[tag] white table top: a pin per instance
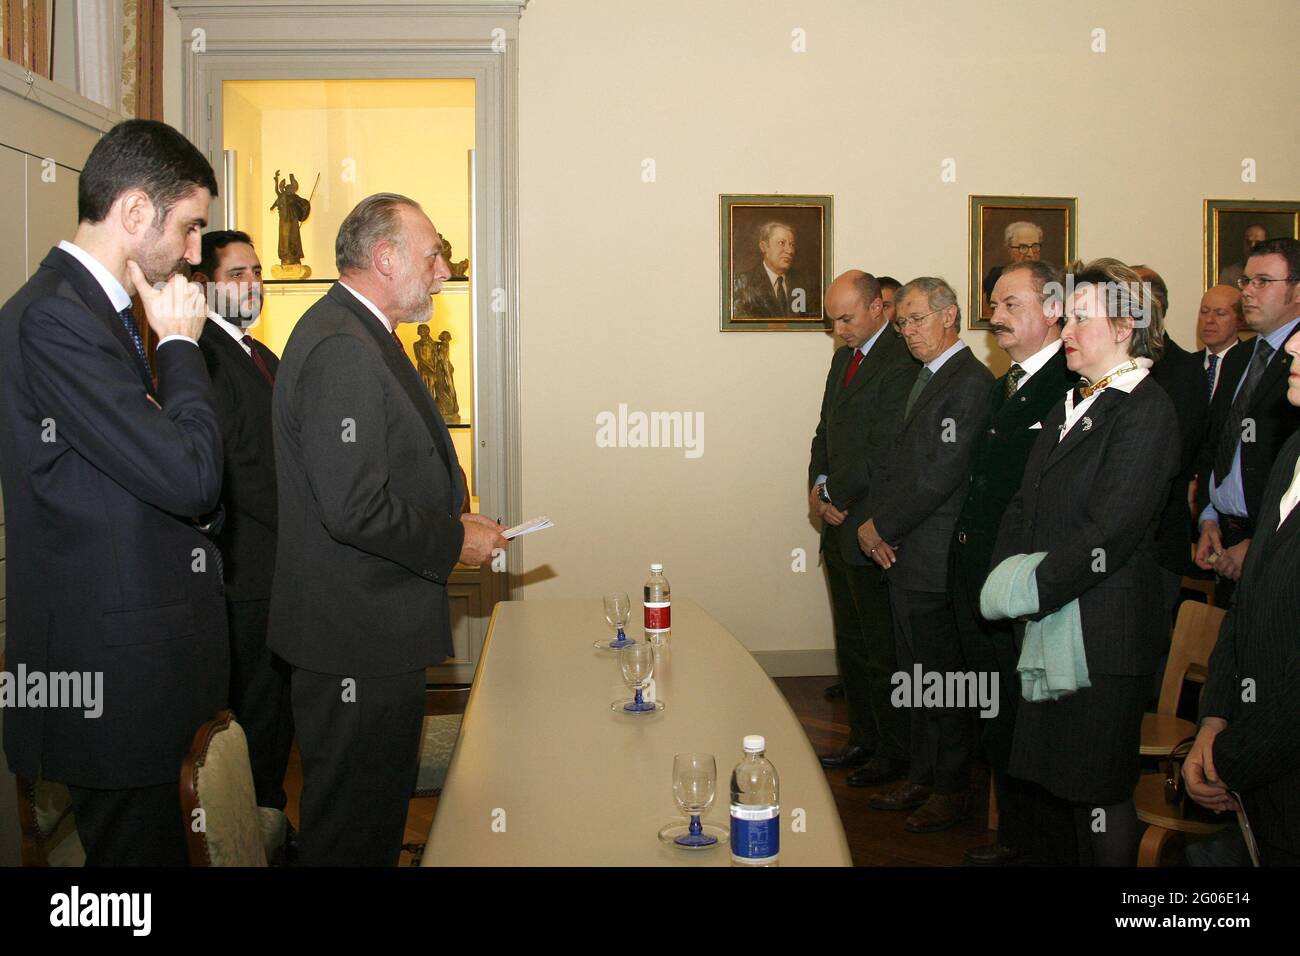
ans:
(545, 774)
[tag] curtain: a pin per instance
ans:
(99, 52)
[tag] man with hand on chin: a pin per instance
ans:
(106, 474)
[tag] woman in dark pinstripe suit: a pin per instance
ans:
(1091, 498)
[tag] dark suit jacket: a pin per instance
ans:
(916, 502)
(370, 497)
(1275, 419)
(997, 463)
(1101, 487)
(1180, 374)
(856, 432)
(100, 490)
(1259, 752)
(243, 396)
(752, 295)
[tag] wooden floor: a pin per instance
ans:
(875, 838)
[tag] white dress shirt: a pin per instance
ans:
(1291, 497)
(369, 305)
(231, 329)
(1218, 368)
(1124, 383)
(1036, 362)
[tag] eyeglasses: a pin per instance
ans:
(1026, 248)
(1258, 282)
(903, 323)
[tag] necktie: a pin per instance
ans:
(1014, 375)
(127, 318)
(922, 377)
(782, 299)
(1210, 373)
(853, 366)
(258, 360)
(1230, 438)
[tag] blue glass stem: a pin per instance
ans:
(696, 827)
(638, 703)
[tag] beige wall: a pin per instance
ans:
(618, 290)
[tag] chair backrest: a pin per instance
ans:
(217, 798)
(1195, 634)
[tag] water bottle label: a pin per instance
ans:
(658, 615)
(755, 833)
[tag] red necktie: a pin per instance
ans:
(258, 360)
(853, 366)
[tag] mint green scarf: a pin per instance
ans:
(1052, 661)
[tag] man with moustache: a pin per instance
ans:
(1217, 325)
(889, 287)
(861, 413)
(243, 375)
(1247, 743)
(1026, 304)
(1251, 418)
(774, 288)
(370, 529)
(108, 477)
(912, 510)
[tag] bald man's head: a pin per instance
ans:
(1219, 319)
(854, 308)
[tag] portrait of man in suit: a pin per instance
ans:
(1005, 230)
(111, 469)
(775, 263)
(370, 527)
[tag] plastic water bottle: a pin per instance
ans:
(755, 808)
(658, 606)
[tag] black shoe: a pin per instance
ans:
(994, 854)
(877, 770)
(834, 692)
(850, 756)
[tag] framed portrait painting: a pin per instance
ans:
(774, 261)
(1233, 226)
(1007, 229)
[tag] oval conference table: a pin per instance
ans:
(545, 774)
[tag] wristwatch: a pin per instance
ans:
(821, 493)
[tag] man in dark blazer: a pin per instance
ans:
(370, 529)
(774, 288)
(1026, 323)
(243, 373)
(1218, 323)
(1250, 711)
(912, 510)
(1183, 379)
(1250, 418)
(107, 477)
(862, 409)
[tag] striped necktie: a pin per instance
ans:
(127, 318)
(1210, 372)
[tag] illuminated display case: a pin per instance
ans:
(344, 140)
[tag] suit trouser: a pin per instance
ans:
(360, 752)
(926, 634)
(259, 696)
(990, 647)
(137, 827)
(864, 651)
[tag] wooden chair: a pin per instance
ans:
(224, 826)
(49, 832)
(1164, 819)
(1195, 634)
